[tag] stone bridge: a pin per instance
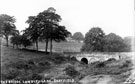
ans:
(89, 58)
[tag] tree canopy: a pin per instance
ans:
(7, 26)
(114, 43)
(20, 40)
(97, 41)
(45, 26)
(78, 36)
(94, 40)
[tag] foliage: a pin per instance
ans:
(20, 40)
(24, 70)
(114, 43)
(109, 68)
(128, 43)
(33, 31)
(23, 65)
(25, 41)
(70, 71)
(94, 40)
(78, 36)
(15, 40)
(44, 64)
(7, 26)
(45, 26)
(97, 41)
(58, 59)
(73, 59)
(10, 73)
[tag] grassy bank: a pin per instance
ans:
(29, 65)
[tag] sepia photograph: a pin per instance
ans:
(67, 41)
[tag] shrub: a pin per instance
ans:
(70, 71)
(44, 63)
(11, 73)
(31, 62)
(29, 75)
(23, 65)
(59, 59)
(101, 64)
(97, 64)
(74, 59)
(127, 64)
(36, 76)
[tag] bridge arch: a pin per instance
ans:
(84, 60)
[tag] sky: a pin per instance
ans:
(115, 16)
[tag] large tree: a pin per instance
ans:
(78, 36)
(7, 26)
(50, 28)
(114, 43)
(45, 26)
(94, 40)
(48, 21)
(33, 31)
(13, 39)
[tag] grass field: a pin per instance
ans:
(63, 46)
(57, 46)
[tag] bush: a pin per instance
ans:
(127, 63)
(70, 71)
(36, 76)
(59, 59)
(74, 59)
(29, 75)
(101, 64)
(11, 73)
(44, 64)
(97, 64)
(23, 65)
(31, 62)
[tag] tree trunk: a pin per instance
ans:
(13, 45)
(50, 46)
(36, 45)
(46, 47)
(17, 46)
(7, 41)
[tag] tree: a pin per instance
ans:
(19, 40)
(7, 26)
(14, 39)
(114, 43)
(94, 40)
(45, 27)
(25, 41)
(48, 22)
(78, 36)
(33, 31)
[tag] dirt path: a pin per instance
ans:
(99, 79)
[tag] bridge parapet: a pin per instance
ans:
(95, 57)
(100, 56)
